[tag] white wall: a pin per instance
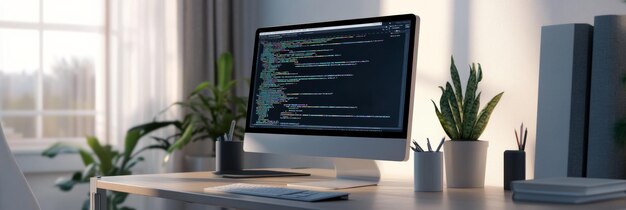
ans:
(504, 36)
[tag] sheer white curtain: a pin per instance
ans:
(145, 74)
(145, 71)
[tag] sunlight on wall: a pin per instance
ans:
(508, 49)
(504, 36)
(433, 60)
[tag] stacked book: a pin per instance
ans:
(572, 190)
(581, 100)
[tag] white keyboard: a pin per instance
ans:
(278, 192)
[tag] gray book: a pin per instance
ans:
(568, 189)
(569, 186)
(565, 65)
(566, 199)
(606, 157)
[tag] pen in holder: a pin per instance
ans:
(428, 168)
(228, 156)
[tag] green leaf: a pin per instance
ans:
(134, 134)
(454, 73)
(470, 89)
(184, 139)
(59, 148)
(224, 70)
(88, 172)
(469, 111)
(450, 131)
(454, 106)
(103, 155)
(130, 142)
(484, 116)
(480, 73)
(85, 157)
(446, 112)
(199, 88)
(64, 184)
(77, 176)
(470, 118)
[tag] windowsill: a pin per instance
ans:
(38, 146)
(31, 161)
(27, 150)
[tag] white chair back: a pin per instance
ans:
(15, 193)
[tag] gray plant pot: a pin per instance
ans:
(465, 163)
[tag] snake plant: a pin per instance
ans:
(458, 112)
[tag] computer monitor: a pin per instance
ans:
(340, 89)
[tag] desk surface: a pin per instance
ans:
(388, 195)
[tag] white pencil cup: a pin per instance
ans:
(428, 171)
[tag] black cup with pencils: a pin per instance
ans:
(515, 160)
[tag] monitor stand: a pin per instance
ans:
(350, 173)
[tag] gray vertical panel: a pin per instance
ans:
(562, 104)
(581, 59)
(222, 30)
(245, 23)
(197, 54)
(196, 42)
(608, 97)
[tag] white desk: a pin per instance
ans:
(189, 187)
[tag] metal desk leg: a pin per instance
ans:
(97, 196)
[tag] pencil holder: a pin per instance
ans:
(428, 171)
(514, 167)
(228, 156)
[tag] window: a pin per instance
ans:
(52, 70)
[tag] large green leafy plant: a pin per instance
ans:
(458, 112)
(103, 160)
(209, 111)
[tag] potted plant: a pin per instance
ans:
(458, 113)
(208, 113)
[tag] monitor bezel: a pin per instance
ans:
(322, 132)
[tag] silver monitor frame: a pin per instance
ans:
(371, 148)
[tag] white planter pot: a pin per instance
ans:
(465, 163)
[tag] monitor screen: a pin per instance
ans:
(339, 78)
